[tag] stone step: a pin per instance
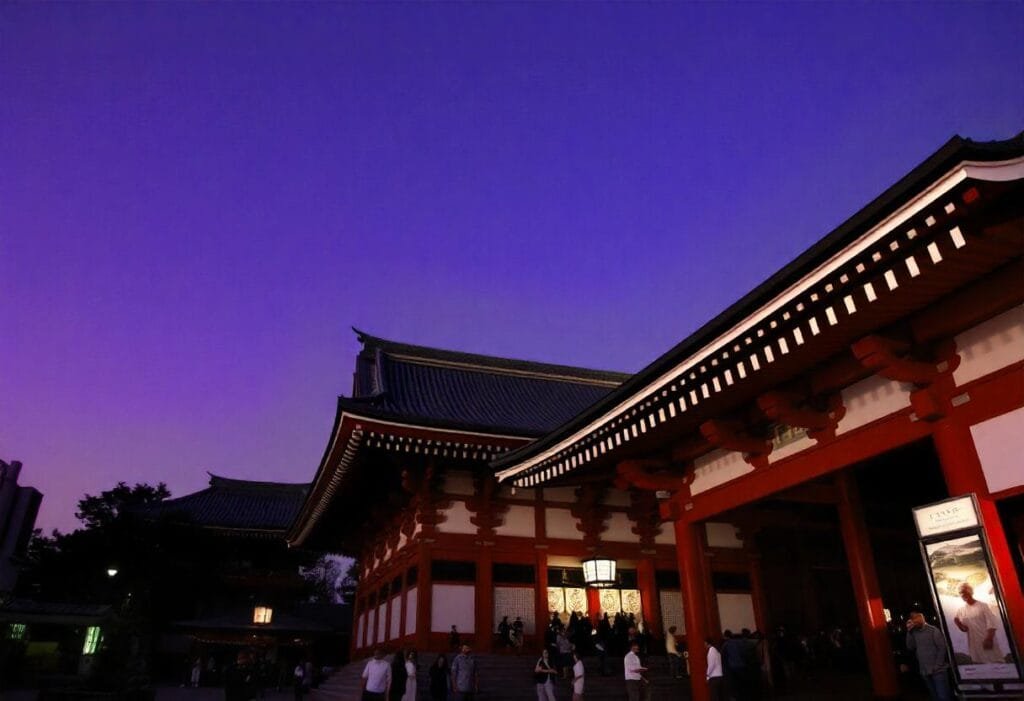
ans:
(510, 678)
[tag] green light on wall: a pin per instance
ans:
(93, 638)
(16, 631)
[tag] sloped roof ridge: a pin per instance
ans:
(234, 483)
(489, 363)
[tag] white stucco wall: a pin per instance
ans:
(717, 467)
(382, 619)
(563, 494)
(990, 346)
(459, 483)
(559, 523)
(452, 605)
(410, 611)
(1000, 445)
(667, 535)
(736, 612)
(620, 529)
(456, 519)
(519, 521)
(394, 628)
(871, 399)
(722, 535)
(617, 497)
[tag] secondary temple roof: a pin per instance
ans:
(238, 504)
(433, 387)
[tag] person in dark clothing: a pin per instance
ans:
(439, 679)
(398, 676)
(928, 643)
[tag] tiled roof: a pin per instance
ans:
(242, 504)
(474, 392)
(12, 608)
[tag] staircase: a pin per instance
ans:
(510, 678)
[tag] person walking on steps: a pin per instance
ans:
(634, 671)
(544, 677)
(927, 642)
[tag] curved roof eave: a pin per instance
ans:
(955, 152)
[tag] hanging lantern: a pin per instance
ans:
(599, 572)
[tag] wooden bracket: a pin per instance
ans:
(729, 435)
(884, 357)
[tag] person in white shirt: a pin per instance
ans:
(672, 650)
(714, 673)
(376, 677)
(636, 685)
(577, 676)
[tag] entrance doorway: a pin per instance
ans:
(807, 599)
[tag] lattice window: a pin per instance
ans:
(516, 601)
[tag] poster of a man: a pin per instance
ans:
(980, 623)
(970, 609)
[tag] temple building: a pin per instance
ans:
(406, 488)
(248, 589)
(763, 471)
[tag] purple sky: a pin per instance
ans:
(198, 200)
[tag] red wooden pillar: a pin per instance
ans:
(424, 599)
(866, 591)
(540, 611)
(757, 592)
(695, 602)
(484, 614)
(714, 621)
(649, 596)
(961, 468)
(594, 605)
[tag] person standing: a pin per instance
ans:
(464, 677)
(410, 676)
(544, 677)
(439, 679)
(636, 685)
(578, 673)
(977, 620)
(675, 662)
(927, 642)
(714, 673)
(376, 681)
(398, 676)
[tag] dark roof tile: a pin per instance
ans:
(468, 391)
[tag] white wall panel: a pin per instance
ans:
(990, 346)
(395, 630)
(872, 399)
(722, 535)
(736, 612)
(515, 601)
(519, 522)
(717, 467)
(452, 604)
(456, 519)
(561, 524)
(617, 497)
(667, 535)
(459, 483)
(1000, 445)
(566, 494)
(381, 622)
(410, 611)
(371, 627)
(620, 529)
